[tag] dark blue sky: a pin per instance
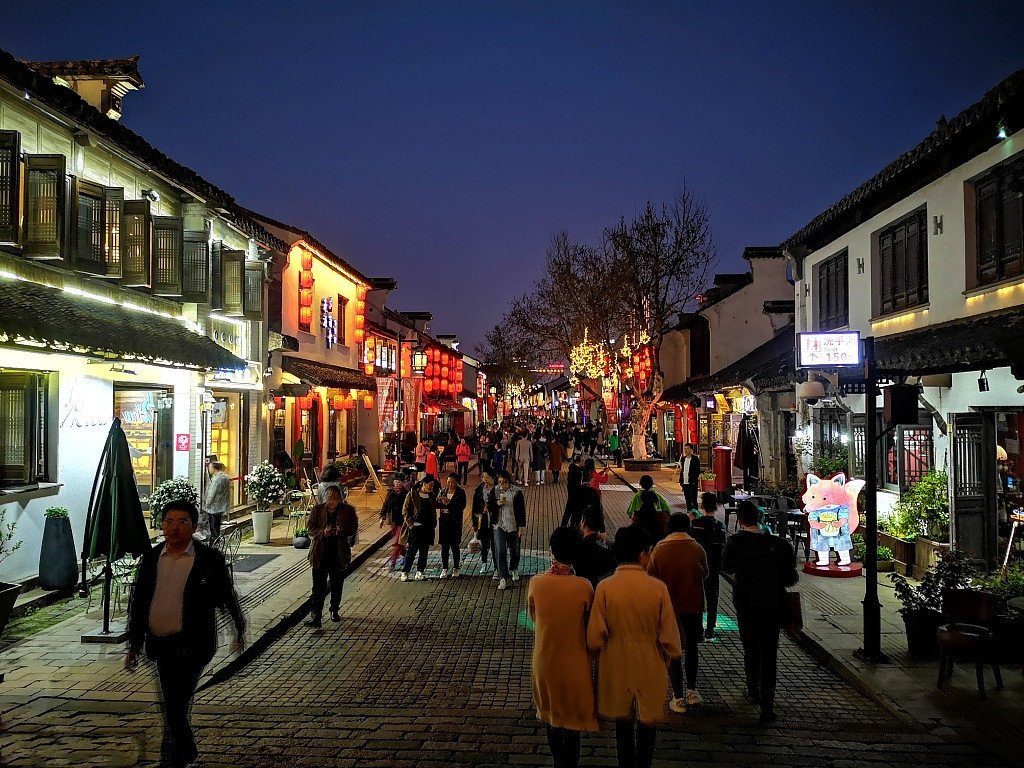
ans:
(442, 143)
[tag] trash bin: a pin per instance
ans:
(722, 467)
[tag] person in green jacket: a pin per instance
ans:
(615, 446)
(647, 484)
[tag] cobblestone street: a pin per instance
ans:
(437, 674)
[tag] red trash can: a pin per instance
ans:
(723, 467)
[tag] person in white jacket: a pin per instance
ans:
(524, 458)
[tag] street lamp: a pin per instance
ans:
(419, 359)
(419, 364)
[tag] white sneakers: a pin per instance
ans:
(678, 706)
(502, 584)
(444, 573)
(404, 576)
(515, 575)
(420, 576)
(692, 697)
(455, 573)
(495, 575)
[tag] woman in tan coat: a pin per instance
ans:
(332, 526)
(563, 690)
(556, 457)
(633, 630)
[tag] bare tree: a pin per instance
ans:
(507, 357)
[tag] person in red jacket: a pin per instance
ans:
(462, 453)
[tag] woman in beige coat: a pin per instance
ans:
(633, 630)
(563, 689)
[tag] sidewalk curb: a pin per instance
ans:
(291, 617)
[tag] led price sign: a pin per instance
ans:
(817, 350)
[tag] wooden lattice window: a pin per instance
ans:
(10, 183)
(252, 299)
(23, 427)
(903, 264)
(233, 279)
(1000, 224)
(45, 207)
(217, 276)
(136, 244)
(114, 212)
(833, 293)
(167, 256)
(91, 218)
(196, 268)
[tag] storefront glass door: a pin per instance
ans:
(147, 418)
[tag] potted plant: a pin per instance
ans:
(1009, 630)
(922, 516)
(177, 489)
(8, 592)
(300, 539)
(883, 559)
(264, 486)
(922, 604)
(58, 566)
(707, 483)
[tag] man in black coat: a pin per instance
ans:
(595, 560)
(709, 532)
(764, 565)
(689, 475)
(173, 614)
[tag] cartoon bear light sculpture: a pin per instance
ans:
(832, 514)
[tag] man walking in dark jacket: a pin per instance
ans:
(709, 532)
(595, 560)
(179, 586)
(763, 565)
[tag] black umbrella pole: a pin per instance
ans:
(107, 577)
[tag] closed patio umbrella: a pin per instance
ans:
(115, 526)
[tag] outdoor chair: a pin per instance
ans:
(972, 615)
(232, 543)
(297, 507)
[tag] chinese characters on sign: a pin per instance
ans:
(328, 322)
(182, 441)
(828, 349)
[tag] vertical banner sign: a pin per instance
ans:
(411, 392)
(385, 403)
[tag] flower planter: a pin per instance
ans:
(922, 627)
(58, 567)
(708, 486)
(8, 595)
(904, 552)
(300, 542)
(262, 520)
(926, 554)
(885, 566)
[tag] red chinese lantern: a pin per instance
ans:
(368, 402)
(306, 315)
(445, 371)
(338, 401)
(361, 293)
(306, 297)
(358, 334)
(360, 322)
(428, 386)
(304, 403)
(307, 260)
(360, 307)
(368, 369)
(429, 371)
(305, 279)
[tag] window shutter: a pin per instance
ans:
(46, 207)
(114, 206)
(167, 256)
(15, 428)
(217, 276)
(10, 187)
(233, 279)
(195, 286)
(136, 244)
(89, 201)
(252, 299)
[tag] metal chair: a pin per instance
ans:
(297, 507)
(972, 615)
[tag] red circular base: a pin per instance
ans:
(833, 570)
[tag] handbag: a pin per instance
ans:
(474, 545)
(792, 612)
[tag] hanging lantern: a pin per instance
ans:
(305, 315)
(368, 402)
(307, 260)
(428, 386)
(360, 322)
(445, 372)
(368, 369)
(306, 297)
(360, 307)
(338, 402)
(429, 370)
(361, 293)
(305, 279)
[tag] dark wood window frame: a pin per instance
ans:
(252, 294)
(342, 325)
(903, 264)
(195, 268)
(90, 217)
(168, 256)
(10, 188)
(999, 221)
(833, 292)
(24, 428)
(233, 279)
(137, 244)
(46, 191)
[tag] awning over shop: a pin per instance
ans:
(965, 344)
(55, 320)
(677, 393)
(324, 375)
(445, 405)
(770, 366)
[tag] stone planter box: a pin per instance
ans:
(926, 554)
(58, 566)
(641, 465)
(904, 553)
(885, 566)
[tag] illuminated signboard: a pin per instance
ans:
(818, 350)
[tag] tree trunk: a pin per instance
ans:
(639, 418)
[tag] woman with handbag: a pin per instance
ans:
(333, 526)
(391, 516)
(451, 506)
(481, 519)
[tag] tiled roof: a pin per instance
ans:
(128, 68)
(966, 344)
(39, 86)
(952, 143)
(762, 252)
(324, 375)
(771, 365)
(78, 325)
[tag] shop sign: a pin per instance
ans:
(828, 349)
(81, 409)
(182, 441)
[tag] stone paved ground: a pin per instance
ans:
(437, 674)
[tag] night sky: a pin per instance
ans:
(442, 143)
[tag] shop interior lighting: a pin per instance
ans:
(1002, 133)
